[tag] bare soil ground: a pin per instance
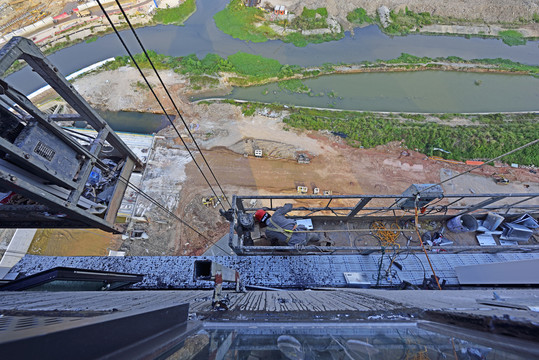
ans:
(73, 242)
(225, 135)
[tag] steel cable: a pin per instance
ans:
(171, 100)
(157, 99)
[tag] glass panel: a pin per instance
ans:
(348, 341)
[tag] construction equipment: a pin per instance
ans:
(210, 270)
(500, 179)
(212, 201)
(61, 179)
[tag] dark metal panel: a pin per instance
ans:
(41, 117)
(70, 274)
(39, 168)
(28, 190)
(94, 337)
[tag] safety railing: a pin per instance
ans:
(363, 210)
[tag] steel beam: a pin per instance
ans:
(481, 205)
(360, 205)
(50, 73)
(37, 167)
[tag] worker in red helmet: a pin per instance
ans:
(282, 230)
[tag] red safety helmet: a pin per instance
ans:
(260, 214)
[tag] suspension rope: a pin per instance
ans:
(423, 247)
(157, 98)
(171, 100)
(162, 207)
(170, 213)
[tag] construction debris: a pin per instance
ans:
(212, 201)
(303, 159)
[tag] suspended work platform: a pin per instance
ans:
(366, 224)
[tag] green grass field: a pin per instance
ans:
(237, 21)
(512, 37)
(176, 15)
(490, 136)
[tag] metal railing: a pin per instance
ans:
(365, 209)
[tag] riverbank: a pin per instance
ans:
(317, 21)
(91, 27)
(214, 72)
(465, 136)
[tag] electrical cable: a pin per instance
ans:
(171, 100)
(387, 237)
(157, 98)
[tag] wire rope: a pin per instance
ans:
(171, 100)
(483, 164)
(157, 98)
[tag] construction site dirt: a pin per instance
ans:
(227, 138)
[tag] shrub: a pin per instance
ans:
(512, 37)
(176, 15)
(494, 136)
(294, 85)
(296, 39)
(238, 21)
(359, 16)
(254, 65)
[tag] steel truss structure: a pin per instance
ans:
(47, 164)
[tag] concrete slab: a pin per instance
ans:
(17, 247)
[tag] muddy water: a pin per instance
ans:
(424, 91)
(130, 121)
(201, 36)
(140, 123)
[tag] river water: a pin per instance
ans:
(140, 123)
(421, 91)
(201, 36)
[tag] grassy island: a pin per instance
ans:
(256, 25)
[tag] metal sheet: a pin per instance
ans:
(503, 273)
